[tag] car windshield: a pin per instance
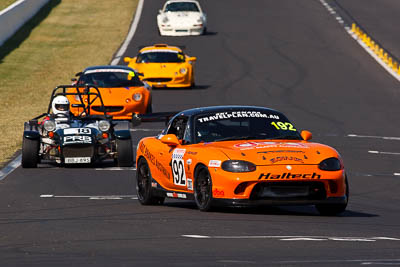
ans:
(243, 125)
(182, 6)
(123, 78)
(160, 57)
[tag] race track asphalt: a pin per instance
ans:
(288, 55)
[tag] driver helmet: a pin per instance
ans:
(60, 105)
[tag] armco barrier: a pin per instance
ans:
(14, 16)
(379, 51)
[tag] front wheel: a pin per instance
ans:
(30, 153)
(124, 153)
(143, 185)
(334, 209)
(203, 189)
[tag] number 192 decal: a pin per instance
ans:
(178, 167)
(284, 126)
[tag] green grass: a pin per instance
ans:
(6, 3)
(69, 36)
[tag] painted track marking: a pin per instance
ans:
(346, 21)
(146, 130)
(375, 136)
(10, 167)
(299, 238)
(104, 197)
(382, 152)
(131, 33)
(116, 169)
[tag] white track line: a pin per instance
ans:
(131, 33)
(10, 167)
(381, 152)
(299, 238)
(374, 136)
(360, 42)
(146, 130)
(104, 197)
(116, 169)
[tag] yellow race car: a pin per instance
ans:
(164, 66)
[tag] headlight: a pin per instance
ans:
(183, 70)
(137, 97)
(49, 125)
(330, 164)
(238, 166)
(104, 126)
(165, 20)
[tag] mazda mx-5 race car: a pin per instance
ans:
(164, 66)
(65, 138)
(239, 156)
(181, 18)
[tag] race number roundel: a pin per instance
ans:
(178, 167)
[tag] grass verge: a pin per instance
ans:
(68, 36)
(6, 3)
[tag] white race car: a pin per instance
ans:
(180, 18)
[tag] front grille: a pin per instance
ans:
(288, 190)
(72, 151)
(158, 80)
(107, 108)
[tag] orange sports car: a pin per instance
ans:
(164, 66)
(239, 156)
(123, 93)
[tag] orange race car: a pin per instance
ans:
(164, 66)
(124, 94)
(239, 156)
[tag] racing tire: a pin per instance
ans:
(124, 153)
(30, 153)
(203, 189)
(143, 185)
(149, 108)
(334, 209)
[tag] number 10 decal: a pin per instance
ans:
(178, 167)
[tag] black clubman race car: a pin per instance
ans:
(79, 138)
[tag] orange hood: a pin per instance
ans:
(268, 152)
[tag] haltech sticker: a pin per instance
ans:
(288, 176)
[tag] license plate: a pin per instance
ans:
(77, 160)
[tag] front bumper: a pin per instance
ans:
(181, 31)
(163, 82)
(276, 202)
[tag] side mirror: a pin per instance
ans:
(127, 59)
(306, 135)
(192, 59)
(74, 80)
(170, 139)
(159, 11)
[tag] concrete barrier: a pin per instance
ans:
(16, 15)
